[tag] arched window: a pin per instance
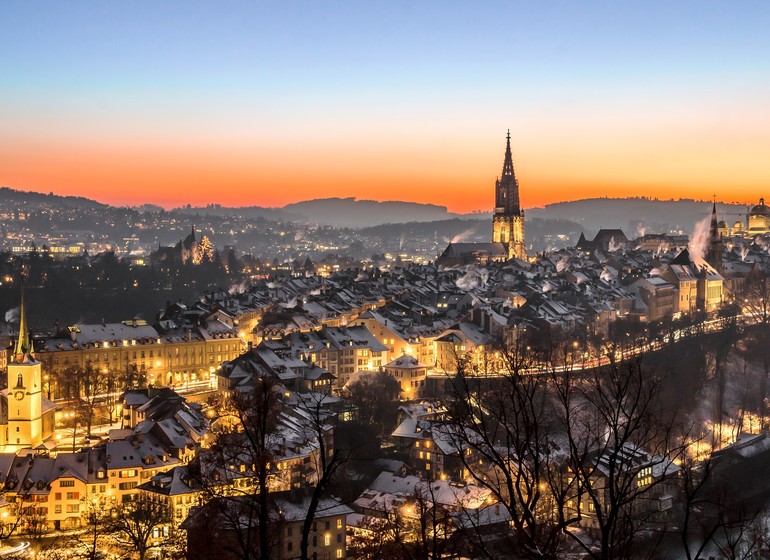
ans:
(19, 382)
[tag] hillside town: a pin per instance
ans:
(398, 411)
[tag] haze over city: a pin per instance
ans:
(266, 104)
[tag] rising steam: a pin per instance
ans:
(699, 238)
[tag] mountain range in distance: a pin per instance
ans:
(340, 212)
(634, 216)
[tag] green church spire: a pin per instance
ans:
(23, 349)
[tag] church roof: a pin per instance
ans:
(469, 249)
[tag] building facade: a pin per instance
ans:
(27, 418)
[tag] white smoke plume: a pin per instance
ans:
(468, 281)
(744, 252)
(562, 264)
(237, 288)
(655, 271)
(699, 238)
(641, 229)
(472, 279)
(463, 235)
(483, 276)
(12, 315)
(613, 245)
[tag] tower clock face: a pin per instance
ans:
(19, 395)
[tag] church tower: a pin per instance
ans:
(714, 249)
(508, 221)
(25, 396)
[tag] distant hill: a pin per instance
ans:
(632, 215)
(10, 197)
(340, 212)
(241, 211)
(351, 212)
(638, 215)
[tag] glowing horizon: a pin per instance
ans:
(190, 103)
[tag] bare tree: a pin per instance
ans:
(137, 522)
(375, 396)
(503, 429)
(244, 450)
(328, 460)
(83, 387)
(756, 306)
(621, 445)
(96, 517)
(413, 528)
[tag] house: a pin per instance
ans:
(410, 373)
(221, 528)
(654, 479)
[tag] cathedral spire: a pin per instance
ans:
(508, 219)
(714, 249)
(23, 349)
(508, 162)
(507, 187)
(714, 228)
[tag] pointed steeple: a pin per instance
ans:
(508, 162)
(507, 187)
(23, 349)
(508, 219)
(714, 249)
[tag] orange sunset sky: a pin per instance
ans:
(386, 102)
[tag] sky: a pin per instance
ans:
(256, 103)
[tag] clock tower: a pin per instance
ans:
(25, 391)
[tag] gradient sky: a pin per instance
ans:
(252, 103)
